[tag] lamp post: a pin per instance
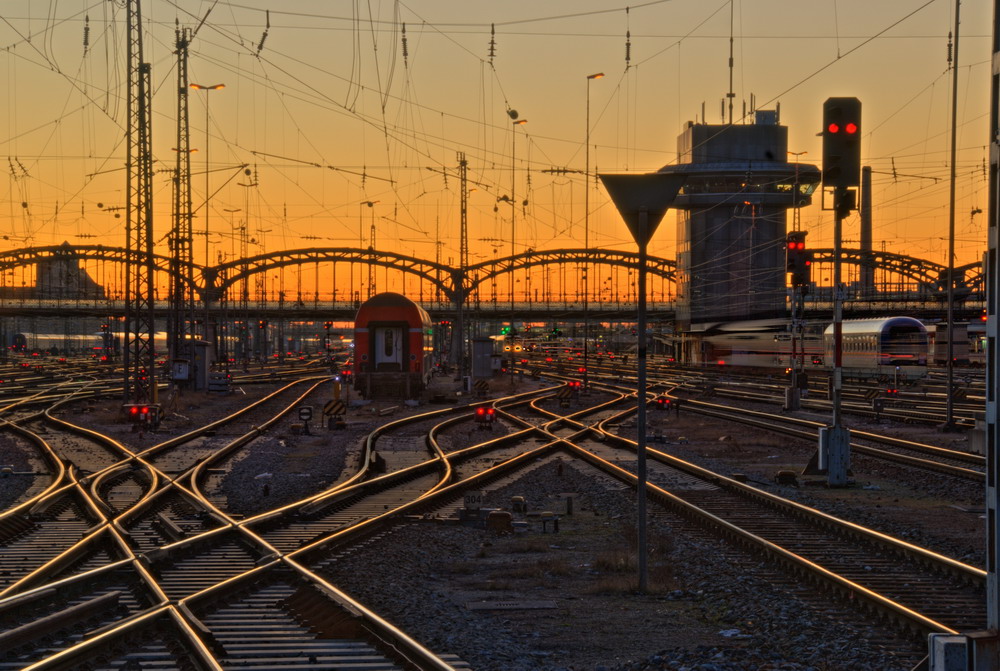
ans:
(586, 242)
(208, 193)
(949, 416)
(642, 200)
(513, 218)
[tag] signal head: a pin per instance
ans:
(841, 142)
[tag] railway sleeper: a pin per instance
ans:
(810, 577)
(14, 527)
(322, 616)
(48, 625)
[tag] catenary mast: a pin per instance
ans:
(139, 381)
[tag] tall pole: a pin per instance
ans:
(641, 411)
(139, 382)
(361, 239)
(208, 192)
(838, 437)
(513, 230)
(986, 650)
(949, 416)
(586, 242)
(463, 263)
(991, 261)
(371, 248)
(182, 257)
(642, 200)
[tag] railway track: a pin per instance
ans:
(161, 554)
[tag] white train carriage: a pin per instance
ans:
(890, 347)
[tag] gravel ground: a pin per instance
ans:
(16, 454)
(703, 610)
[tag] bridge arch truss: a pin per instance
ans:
(551, 276)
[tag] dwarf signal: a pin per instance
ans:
(486, 416)
(147, 414)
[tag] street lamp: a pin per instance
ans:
(208, 260)
(214, 87)
(513, 217)
(586, 241)
(642, 200)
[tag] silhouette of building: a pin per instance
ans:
(58, 277)
(731, 220)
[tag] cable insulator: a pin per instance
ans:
(628, 47)
(949, 47)
(406, 51)
(267, 27)
(86, 34)
(493, 42)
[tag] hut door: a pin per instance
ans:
(388, 348)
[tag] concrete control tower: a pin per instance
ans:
(731, 220)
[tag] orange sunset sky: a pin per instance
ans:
(333, 104)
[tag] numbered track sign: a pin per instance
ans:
(474, 500)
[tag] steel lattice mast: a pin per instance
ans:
(139, 380)
(181, 242)
(463, 263)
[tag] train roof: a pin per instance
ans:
(855, 326)
(746, 326)
(381, 305)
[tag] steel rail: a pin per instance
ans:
(773, 423)
(880, 601)
(728, 483)
(666, 498)
(187, 630)
(957, 567)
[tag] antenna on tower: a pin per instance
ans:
(731, 94)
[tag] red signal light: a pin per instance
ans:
(833, 128)
(851, 128)
(134, 410)
(480, 411)
(490, 411)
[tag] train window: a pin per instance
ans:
(388, 343)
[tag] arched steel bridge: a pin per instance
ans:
(918, 276)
